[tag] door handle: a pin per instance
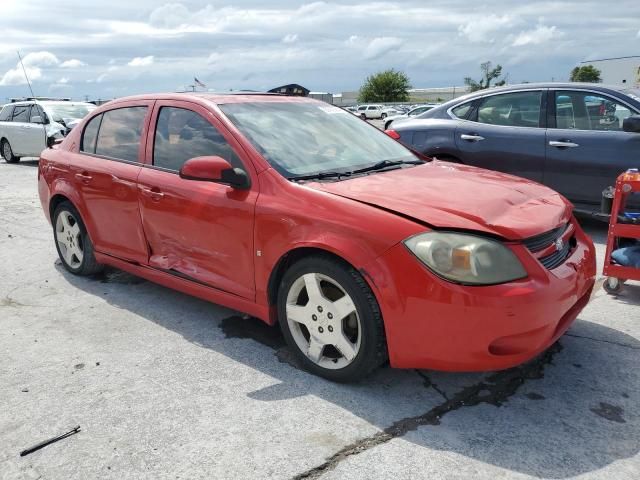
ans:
(471, 137)
(563, 144)
(154, 193)
(84, 177)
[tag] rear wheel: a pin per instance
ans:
(72, 241)
(383, 116)
(363, 116)
(7, 152)
(331, 319)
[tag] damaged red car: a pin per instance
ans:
(300, 214)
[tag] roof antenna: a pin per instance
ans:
(41, 110)
(25, 75)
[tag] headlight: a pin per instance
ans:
(466, 259)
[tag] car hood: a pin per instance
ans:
(450, 196)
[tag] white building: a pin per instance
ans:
(618, 71)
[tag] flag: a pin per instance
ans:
(199, 83)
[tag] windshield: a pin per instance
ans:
(69, 112)
(300, 139)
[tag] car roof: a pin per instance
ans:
(598, 87)
(216, 98)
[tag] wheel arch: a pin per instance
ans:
(288, 259)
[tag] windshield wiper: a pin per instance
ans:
(386, 164)
(321, 175)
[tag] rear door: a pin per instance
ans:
(505, 132)
(35, 136)
(17, 130)
(106, 170)
(196, 229)
(586, 146)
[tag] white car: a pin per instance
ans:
(411, 113)
(375, 111)
(25, 126)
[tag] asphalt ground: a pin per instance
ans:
(166, 386)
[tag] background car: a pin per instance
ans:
(569, 137)
(415, 111)
(375, 111)
(25, 126)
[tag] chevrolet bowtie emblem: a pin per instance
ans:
(559, 243)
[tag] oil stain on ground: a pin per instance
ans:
(609, 412)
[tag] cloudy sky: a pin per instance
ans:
(105, 49)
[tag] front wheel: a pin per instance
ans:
(383, 116)
(331, 319)
(363, 116)
(7, 153)
(72, 241)
(613, 285)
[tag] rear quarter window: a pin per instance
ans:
(90, 135)
(5, 114)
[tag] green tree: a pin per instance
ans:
(488, 74)
(386, 86)
(586, 73)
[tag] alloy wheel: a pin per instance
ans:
(323, 321)
(69, 238)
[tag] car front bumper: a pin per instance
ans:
(434, 324)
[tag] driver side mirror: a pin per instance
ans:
(631, 124)
(215, 169)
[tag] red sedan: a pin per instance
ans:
(301, 214)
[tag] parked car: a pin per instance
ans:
(410, 113)
(375, 111)
(570, 137)
(26, 126)
(358, 248)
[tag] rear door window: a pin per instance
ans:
(119, 133)
(518, 109)
(589, 111)
(182, 134)
(21, 113)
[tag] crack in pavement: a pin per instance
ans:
(428, 383)
(495, 390)
(603, 341)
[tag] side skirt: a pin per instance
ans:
(189, 287)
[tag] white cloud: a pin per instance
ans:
(638, 34)
(352, 40)
(15, 76)
(380, 46)
(73, 63)
(541, 34)
(290, 38)
(40, 59)
(63, 80)
(170, 15)
(32, 63)
(141, 61)
(482, 29)
(101, 78)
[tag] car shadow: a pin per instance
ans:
(31, 162)
(580, 418)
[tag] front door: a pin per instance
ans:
(588, 149)
(505, 133)
(106, 170)
(196, 229)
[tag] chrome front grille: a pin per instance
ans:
(545, 240)
(559, 239)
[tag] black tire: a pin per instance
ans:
(383, 116)
(7, 152)
(89, 264)
(613, 285)
(388, 124)
(373, 346)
